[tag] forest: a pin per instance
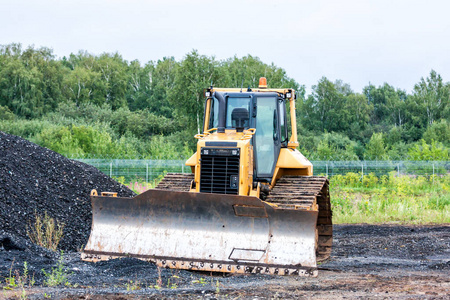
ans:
(103, 106)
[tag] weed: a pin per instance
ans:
(58, 275)
(11, 280)
(120, 179)
(172, 285)
(19, 281)
(201, 281)
(217, 287)
(45, 231)
(158, 284)
(133, 285)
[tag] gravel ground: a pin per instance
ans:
(36, 179)
(368, 261)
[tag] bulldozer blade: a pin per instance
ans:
(206, 232)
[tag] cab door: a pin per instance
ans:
(267, 140)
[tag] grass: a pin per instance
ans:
(380, 199)
(58, 275)
(45, 232)
(390, 199)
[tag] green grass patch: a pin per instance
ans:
(390, 199)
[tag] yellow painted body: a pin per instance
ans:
(290, 160)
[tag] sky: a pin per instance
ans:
(358, 42)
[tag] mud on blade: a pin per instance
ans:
(209, 232)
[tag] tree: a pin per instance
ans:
(163, 83)
(29, 80)
(196, 72)
(83, 85)
(246, 71)
(375, 149)
(98, 79)
(357, 112)
(113, 70)
(389, 107)
(139, 88)
(439, 132)
(333, 107)
(431, 99)
(335, 146)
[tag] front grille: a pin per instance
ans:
(219, 171)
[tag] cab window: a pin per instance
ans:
(214, 113)
(233, 103)
(283, 125)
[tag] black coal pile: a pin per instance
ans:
(34, 179)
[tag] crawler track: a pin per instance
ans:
(177, 182)
(309, 193)
(290, 192)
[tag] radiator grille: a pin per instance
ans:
(219, 174)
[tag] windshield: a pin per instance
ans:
(233, 103)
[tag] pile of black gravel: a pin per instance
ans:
(36, 179)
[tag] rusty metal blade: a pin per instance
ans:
(211, 232)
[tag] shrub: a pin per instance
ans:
(24, 128)
(424, 151)
(6, 114)
(370, 180)
(45, 232)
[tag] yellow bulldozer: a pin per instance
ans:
(250, 205)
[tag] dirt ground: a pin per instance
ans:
(368, 261)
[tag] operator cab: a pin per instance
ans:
(264, 111)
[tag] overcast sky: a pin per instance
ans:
(375, 41)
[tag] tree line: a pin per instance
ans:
(103, 105)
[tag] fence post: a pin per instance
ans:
(362, 171)
(433, 173)
(182, 168)
(110, 169)
(398, 170)
(146, 173)
(327, 168)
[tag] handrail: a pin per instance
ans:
(249, 134)
(199, 136)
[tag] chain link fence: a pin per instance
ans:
(150, 170)
(426, 168)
